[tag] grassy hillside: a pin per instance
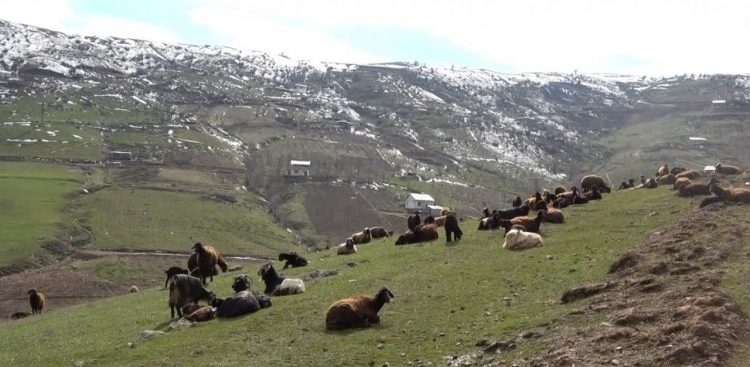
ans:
(138, 219)
(32, 197)
(448, 296)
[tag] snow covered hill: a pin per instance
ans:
(538, 123)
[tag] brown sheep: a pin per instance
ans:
(413, 221)
(534, 199)
(569, 195)
(193, 265)
(694, 189)
(552, 215)
(361, 237)
(726, 170)
(516, 202)
(591, 180)
(36, 299)
(531, 224)
(681, 182)
(207, 259)
(19, 315)
(358, 311)
(593, 194)
(662, 171)
(190, 308)
(737, 195)
(439, 221)
(205, 313)
(379, 232)
(691, 174)
(559, 190)
(668, 179)
(427, 232)
(185, 289)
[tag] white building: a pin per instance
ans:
(299, 168)
(419, 202)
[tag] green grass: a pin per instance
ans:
(65, 145)
(32, 197)
(455, 289)
(140, 219)
(735, 284)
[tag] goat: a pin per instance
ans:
(361, 237)
(346, 248)
(171, 272)
(207, 259)
(277, 285)
(292, 259)
(358, 311)
(184, 289)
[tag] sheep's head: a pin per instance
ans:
(198, 247)
(241, 282)
(349, 242)
(32, 291)
(283, 256)
(265, 269)
(430, 219)
(384, 295)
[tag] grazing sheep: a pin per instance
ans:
(559, 190)
(419, 234)
(208, 258)
(171, 272)
(358, 311)
(691, 174)
(379, 232)
(134, 289)
(597, 181)
(680, 183)
(531, 224)
(277, 285)
(184, 289)
(668, 179)
(361, 237)
(627, 185)
(19, 315)
(513, 212)
(517, 201)
(292, 259)
(695, 189)
(593, 194)
(737, 195)
(36, 300)
(413, 221)
(346, 248)
(727, 170)
(239, 304)
(552, 215)
(517, 239)
(662, 171)
(202, 314)
(452, 227)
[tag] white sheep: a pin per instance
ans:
(516, 239)
(347, 248)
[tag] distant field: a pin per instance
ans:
(447, 298)
(32, 197)
(50, 140)
(163, 220)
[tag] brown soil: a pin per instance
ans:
(661, 305)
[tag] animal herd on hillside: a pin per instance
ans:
(187, 287)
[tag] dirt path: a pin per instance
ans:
(661, 305)
(101, 253)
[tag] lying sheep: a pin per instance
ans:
(517, 201)
(627, 185)
(171, 272)
(423, 233)
(559, 190)
(531, 201)
(662, 171)
(588, 181)
(202, 314)
(668, 179)
(361, 237)
(20, 315)
(358, 311)
(379, 232)
(292, 259)
(680, 183)
(184, 289)
(277, 285)
(517, 239)
(134, 289)
(727, 170)
(691, 174)
(513, 212)
(239, 304)
(694, 189)
(736, 195)
(347, 248)
(241, 283)
(190, 308)
(552, 215)
(648, 184)
(593, 194)
(413, 221)
(36, 300)
(532, 225)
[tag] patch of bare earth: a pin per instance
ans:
(661, 305)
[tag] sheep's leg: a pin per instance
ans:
(448, 234)
(286, 264)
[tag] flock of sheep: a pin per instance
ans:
(187, 286)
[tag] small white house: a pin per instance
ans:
(419, 202)
(299, 168)
(709, 169)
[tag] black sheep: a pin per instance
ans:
(240, 303)
(292, 259)
(452, 227)
(241, 283)
(514, 212)
(277, 285)
(184, 289)
(413, 221)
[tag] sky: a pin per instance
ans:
(639, 37)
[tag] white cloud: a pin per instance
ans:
(666, 36)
